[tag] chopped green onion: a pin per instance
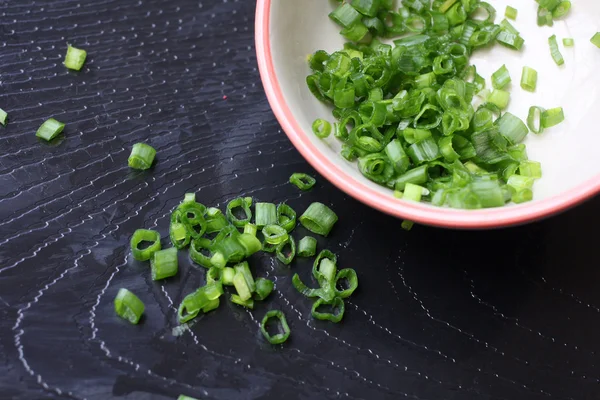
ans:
(511, 12)
(568, 42)
(189, 198)
(366, 7)
(562, 9)
(530, 168)
(345, 15)
(250, 229)
(142, 156)
(407, 225)
(529, 79)
(302, 181)
(145, 235)
(280, 251)
(227, 276)
(264, 287)
(244, 269)
(3, 116)
(183, 397)
(196, 254)
(215, 220)
(500, 98)
(596, 39)
(336, 314)
(307, 246)
(510, 40)
(348, 275)
(512, 128)
(552, 117)
(274, 234)
(265, 214)
(191, 215)
(164, 264)
(554, 51)
(286, 217)
(412, 192)
(244, 206)
(213, 275)
(501, 78)
(522, 196)
(318, 218)
(323, 255)
(75, 58)
(236, 299)
(284, 332)
(202, 299)
(128, 306)
(534, 119)
(321, 128)
(50, 129)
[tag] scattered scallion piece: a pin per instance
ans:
(164, 264)
(529, 79)
(554, 51)
(302, 181)
(227, 276)
(511, 12)
(183, 397)
(568, 42)
(530, 168)
(499, 98)
(307, 246)
(128, 306)
(236, 299)
(501, 78)
(407, 225)
(337, 310)
(244, 206)
(274, 234)
(283, 254)
(145, 235)
(286, 217)
(562, 9)
(50, 129)
(265, 214)
(321, 128)
(3, 116)
(552, 117)
(75, 58)
(264, 287)
(142, 156)
(349, 276)
(596, 39)
(284, 332)
(534, 119)
(318, 218)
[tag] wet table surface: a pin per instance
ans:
(507, 314)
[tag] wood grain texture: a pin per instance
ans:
(503, 315)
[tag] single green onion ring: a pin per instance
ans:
(318, 218)
(50, 129)
(321, 128)
(280, 252)
(192, 217)
(164, 264)
(264, 287)
(274, 234)
(145, 235)
(243, 204)
(75, 58)
(348, 274)
(302, 181)
(307, 247)
(128, 306)
(286, 217)
(534, 119)
(279, 337)
(196, 254)
(324, 254)
(142, 156)
(335, 316)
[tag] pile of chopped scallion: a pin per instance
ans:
(221, 242)
(416, 116)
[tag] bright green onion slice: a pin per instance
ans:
(264, 287)
(284, 332)
(318, 218)
(346, 282)
(596, 39)
(250, 229)
(302, 181)
(501, 78)
(554, 51)
(128, 306)
(345, 15)
(307, 247)
(189, 198)
(500, 98)
(202, 299)
(413, 192)
(164, 264)
(511, 12)
(227, 276)
(323, 255)
(50, 129)
(366, 7)
(534, 119)
(512, 128)
(321, 128)
(244, 206)
(562, 9)
(141, 157)
(3, 116)
(529, 79)
(236, 299)
(529, 168)
(552, 117)
(196, 248)
(265, 214)
(286, 217)
(407, 225)
(281, 252)
(145, 235)
(184, 397)
(244, 269)
(337, 310)
(568, 42)
(213, 275)
(510, 40)
(75, 58)
(274, 234)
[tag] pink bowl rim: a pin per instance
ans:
(420, 213)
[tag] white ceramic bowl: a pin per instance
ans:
(289, 30)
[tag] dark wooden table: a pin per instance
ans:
(507, 314)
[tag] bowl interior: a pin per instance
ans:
(567, 152)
